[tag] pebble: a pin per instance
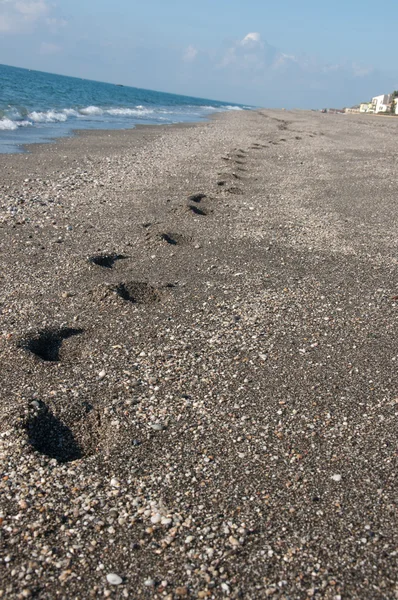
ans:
(149, 582)
(157, 426)
(101, 374)
(336, 477)
(114, 579)
(156, 518)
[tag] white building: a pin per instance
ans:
(381, 103)
(366, 107)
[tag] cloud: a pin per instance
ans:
(31, 9)
(252, 40)
(252, 71)
(19, 16)
(47, 48)
(54, 24)
(248, 54)
(190, 54)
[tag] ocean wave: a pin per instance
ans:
(91, 110)
(127, 112)
(7, 124)
(71, 112)
(50, 116)
(234, 108)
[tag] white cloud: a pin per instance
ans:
(47, 48)
(18, 16)
(55, 24)
(31, 9)
(249, 53)
(190, 54)
(284, 60)
(251, 40)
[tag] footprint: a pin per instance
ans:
(196, 210)
(49, 435)
(155, 235)
(47, 343)
(235, 190)
(196, 197)
(138, 292)
(105, 260)
(174, 239)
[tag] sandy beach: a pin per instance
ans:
(199, 361)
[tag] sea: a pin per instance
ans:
(36, 107)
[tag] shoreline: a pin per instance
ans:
(198, 345)
(71, 133)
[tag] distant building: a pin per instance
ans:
(353, 109)
(366, 107)
(381, 103)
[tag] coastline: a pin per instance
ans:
(210, 413)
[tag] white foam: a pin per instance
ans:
(7, 124)
(51, 116)
(71, 112)
(91, 110)
(233, 108)
(127, 112)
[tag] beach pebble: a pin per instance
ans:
(114, 579)
(157, 426)
(156, 518)
(336, 477)
(149, 582)
(101, 374)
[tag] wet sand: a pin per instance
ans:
(199, 361)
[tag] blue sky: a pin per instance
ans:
(277, 54)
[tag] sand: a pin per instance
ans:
(199, 361)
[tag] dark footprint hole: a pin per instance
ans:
(174, 239)
(47, 343)
(105, 260)
(197, 211)
(169, 239)
(221, 183)
(49, 436)
(196, 197)
(235, 190)
(138, 292)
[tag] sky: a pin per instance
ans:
(285, 54)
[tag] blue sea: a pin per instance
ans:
(38, 107)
